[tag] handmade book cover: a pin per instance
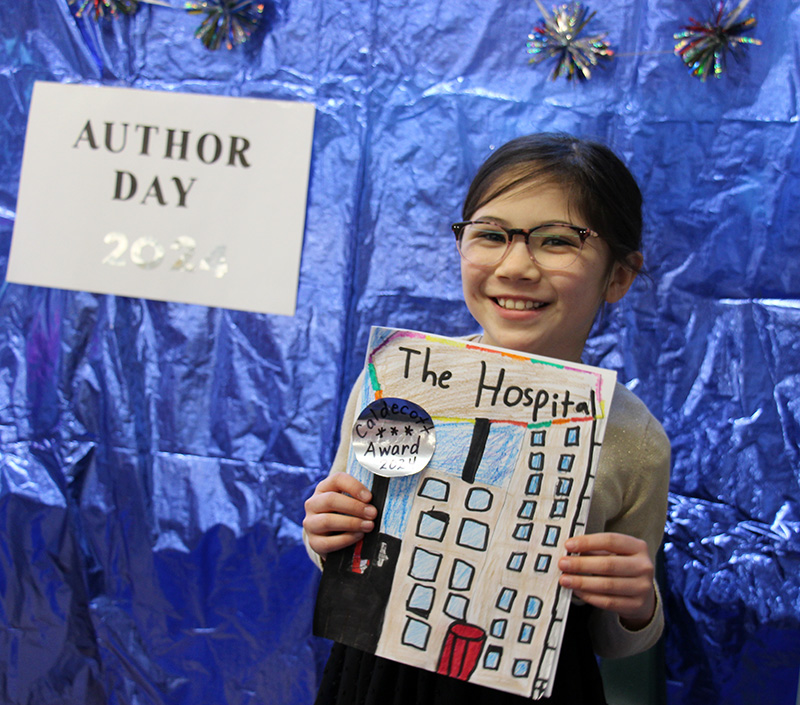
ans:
(460, 574)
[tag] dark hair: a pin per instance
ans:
(598, 184)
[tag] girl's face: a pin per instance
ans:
(523, 307)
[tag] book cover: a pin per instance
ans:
(481, 462)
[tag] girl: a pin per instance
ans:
(551, 231)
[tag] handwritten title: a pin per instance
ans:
(493, 389)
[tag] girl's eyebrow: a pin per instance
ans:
(507, 224)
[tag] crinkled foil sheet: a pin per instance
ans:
(154, 457)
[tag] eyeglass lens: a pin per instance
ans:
(552, 246)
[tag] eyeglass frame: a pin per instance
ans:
(583, 233)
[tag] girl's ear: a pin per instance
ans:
(621, 277)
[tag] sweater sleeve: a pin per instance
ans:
(630, 497)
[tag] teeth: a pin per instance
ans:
(518, 305)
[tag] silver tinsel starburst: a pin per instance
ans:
(558, 38)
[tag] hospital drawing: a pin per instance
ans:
(467, 550)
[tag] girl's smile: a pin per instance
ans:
(514, 304)
(521, 305)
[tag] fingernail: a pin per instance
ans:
(364, 496)
(370, 512)
(570, 544)
(366, 526)
(565, 581)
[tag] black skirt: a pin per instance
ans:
(354, 677)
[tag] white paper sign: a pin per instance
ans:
(174, 197)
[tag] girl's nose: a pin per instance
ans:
(518, 263)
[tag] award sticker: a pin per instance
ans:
(393, 437)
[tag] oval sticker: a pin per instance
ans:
(393, 437)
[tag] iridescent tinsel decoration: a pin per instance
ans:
(559, 38)
(101, 7)
(703, 46)
(229, 21)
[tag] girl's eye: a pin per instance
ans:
(486, 236)
(559, 241)
(558, 238)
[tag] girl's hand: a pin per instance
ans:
(613, 572)
(338, 514)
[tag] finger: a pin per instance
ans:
(330, 523)
(606, 542)
(342, 482)
(338, 503)
(323, 545)
(626, 607)
(635, 610)
(329, 531)
(637, 588)
(624, 566)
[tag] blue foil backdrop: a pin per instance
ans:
(154, 457)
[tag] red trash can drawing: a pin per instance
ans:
(462, 649)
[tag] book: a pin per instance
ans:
(481, 462)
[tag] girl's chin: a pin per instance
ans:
(510, 340)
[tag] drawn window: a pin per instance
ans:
(424, 564)
(432, 525)
(542, 563)
(492, 658)
(479, 499)
(498, 628)
(420, 601)
(537, 438)
(473, 534)
(461, 575)
(533, 607)
(516, 561)
(435, 489)
(416, 634)
(559, 508)
(564, 485)
(536, 461)
(522, 667)
(522, 532)
(534, 485)
(565, 463)
(505, 599)
(525, 633)
(527, 509)
(573, 436)
(551, 534)
(456, 607)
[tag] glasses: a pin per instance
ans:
(551, 246)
